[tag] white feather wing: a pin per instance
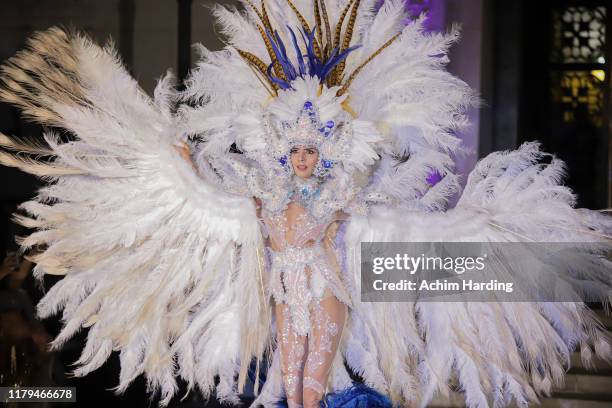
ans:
(500, 351)
(151, 252)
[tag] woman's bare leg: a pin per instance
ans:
(327, 321)
(292, 351)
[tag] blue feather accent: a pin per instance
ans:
(282, 84)
(298, 53)
(285, 62)
(310, 51)
(315, 67)
(358, 395)
(281, 57)
(341, 56)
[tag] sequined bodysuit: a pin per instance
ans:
(311, 299)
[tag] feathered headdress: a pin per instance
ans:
(358, 65)
(321, 56)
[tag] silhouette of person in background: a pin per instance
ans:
(23, 338)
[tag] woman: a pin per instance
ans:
(311, 301)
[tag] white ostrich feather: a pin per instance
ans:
(387, 22)
(511, 351)
(129, 223)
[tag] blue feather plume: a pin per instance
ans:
(358, 395)
(314, 67)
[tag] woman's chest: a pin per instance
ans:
(293, 226)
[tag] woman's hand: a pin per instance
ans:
(330, 232)
(332, 228)
(257, 206)
(341, 216)
(185, 152)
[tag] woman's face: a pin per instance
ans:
(304, 160)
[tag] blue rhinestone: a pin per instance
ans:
(322, 130)
(307, 105)
(330, 124)
(304, 191)
(283, 160)
(327, 164)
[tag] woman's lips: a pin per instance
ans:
(301, 167)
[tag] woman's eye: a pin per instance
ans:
(311, 151)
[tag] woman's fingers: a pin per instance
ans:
(184, 151)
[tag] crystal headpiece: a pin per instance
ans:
(331, 139)
(307, 129)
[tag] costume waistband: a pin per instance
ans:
(292, 254)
